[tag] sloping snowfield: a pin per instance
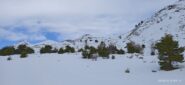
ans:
(71, 69)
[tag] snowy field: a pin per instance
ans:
(71, 69)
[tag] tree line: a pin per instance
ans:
(168, 51)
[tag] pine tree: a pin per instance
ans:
(86, 54)
(61, 51)
(9, 50)
(46, 49)
(92, 50)
(121, 51)
(23, 54)
(103, 51)
(69, 49)
(22, 48)
(169, 52)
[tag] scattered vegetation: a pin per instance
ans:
(48, 49)
(102, 50)
(90, 51)
(23, 50)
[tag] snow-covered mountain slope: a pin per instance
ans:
(169, 20)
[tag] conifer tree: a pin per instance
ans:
(9, 50)
(103, 50)
(61, 51)
(169, 52)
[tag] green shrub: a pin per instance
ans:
(103, 51)
(121, 51)
(88, 52)
(46, 49)
(9, 50)
(69, 49)
(23, 54)
(22, 48)
(133, 48)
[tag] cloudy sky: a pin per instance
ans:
(38, 20)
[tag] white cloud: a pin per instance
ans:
(72, 18)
